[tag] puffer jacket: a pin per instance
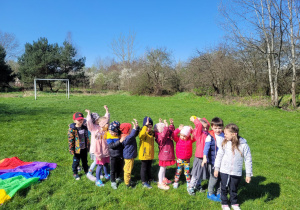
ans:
(231, 163)
(165, 144)
(211, 146)
(114, 145)
(184, 148)
(146, 151)
(74, 141)
(129, 144)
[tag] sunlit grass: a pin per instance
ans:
(37, 131)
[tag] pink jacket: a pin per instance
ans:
(99, 145)
(200, 137)
(165, 144)
(184, 148)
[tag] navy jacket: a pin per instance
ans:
(130, 146)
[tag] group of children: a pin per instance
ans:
(219, 153)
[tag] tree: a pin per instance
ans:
(6, 74)
(10, 44)
(48, 61)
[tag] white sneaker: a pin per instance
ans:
(91, 177)
(236, 207)
(175, 185)
(225, 207)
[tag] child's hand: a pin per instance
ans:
(160, 120)
(99, 159)
(122, 139)
(88, 111)
(171, 121)
(248, 179)
(147, 123)
(192, 118)
(166, 123)
(180, 127)
(204, 160)
(135, 124)
(105, 107)
(216, 173)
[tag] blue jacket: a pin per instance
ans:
(129, 144)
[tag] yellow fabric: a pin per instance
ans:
(146, 151)
(128, 166)
(3, 196)
(109, 136)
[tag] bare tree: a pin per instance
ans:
(124, 48)
(10, 44)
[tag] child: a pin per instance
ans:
(116, 152)
(94, 128)
(163, 134)
(199, 171)
(146, 151)
(99, 147)
(79, 144)
(130, 149)
(212, 143)
(229, 162)
(184, 151)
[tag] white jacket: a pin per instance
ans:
(228, 163)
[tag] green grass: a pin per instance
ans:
(37, 131)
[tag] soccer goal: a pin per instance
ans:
(67, 86)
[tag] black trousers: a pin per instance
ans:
(146, 170)
(76, 159)
(116, 167)
(231, 182)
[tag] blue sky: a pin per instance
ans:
(180, 26)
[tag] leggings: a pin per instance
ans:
(99, 170)
(186, 164)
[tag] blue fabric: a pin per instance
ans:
(130, 146)
(41, 174)
(145, 120)
(210, 150)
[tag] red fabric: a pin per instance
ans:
(165, 163)
(200, 137)
(10, 163)
(184, 148)
(125, 127)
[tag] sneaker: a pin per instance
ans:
(76, 176)
(166, 181)
(236, 207)
(213, 197)
(118, 180)
(199, 188)
(114, 185)
(225, 207)
(99, 183)
(163, 186)
(145, 184)
(175, 185)
(91, 177)
(107, 177)
(191, 191)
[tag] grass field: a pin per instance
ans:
(37, 131)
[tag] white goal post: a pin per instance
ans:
(67, 86)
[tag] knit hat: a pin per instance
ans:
(145, 120)
(125, 127)
(114, 126)
(186, 130)
(95, 116)
(159, 127)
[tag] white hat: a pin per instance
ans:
(186, 130)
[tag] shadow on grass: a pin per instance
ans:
(256, 190)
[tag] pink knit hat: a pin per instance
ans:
(186, 130)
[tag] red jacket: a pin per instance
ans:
(184, 148)
(165, 144)
(200, 137)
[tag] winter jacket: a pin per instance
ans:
(129, 144)
(74, 141)
(184, 148)
(199, 136)
(231, 163)
(94, 129)
(165, 144)
(146, 151)
(114, 145)
(212, 144)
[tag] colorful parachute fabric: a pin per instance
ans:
(16, 174)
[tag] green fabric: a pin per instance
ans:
(12, 185)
